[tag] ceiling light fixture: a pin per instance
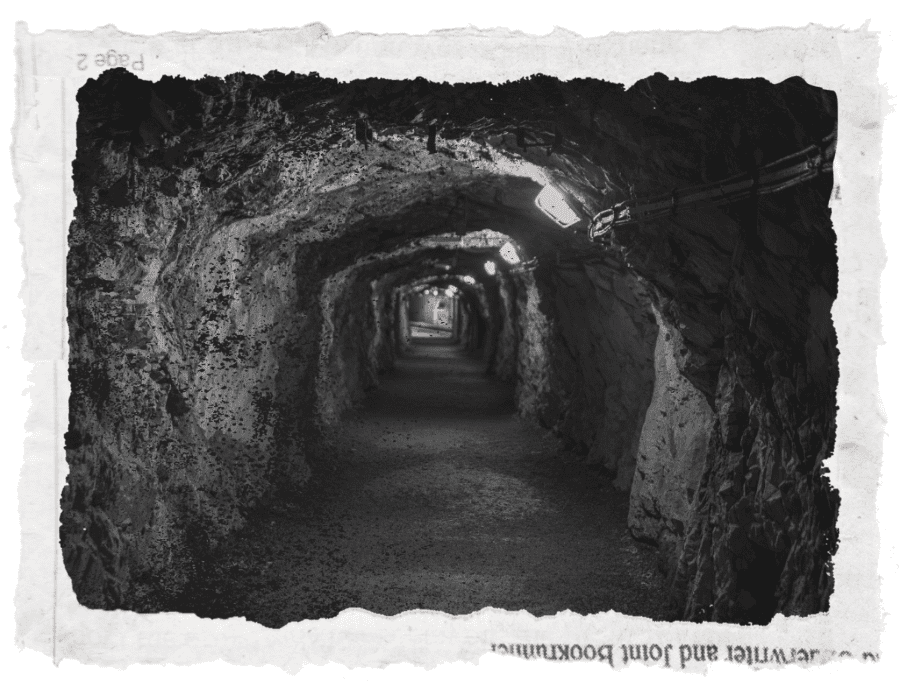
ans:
(490, 267)
(551, 201)
(468, 279)
(508, 253)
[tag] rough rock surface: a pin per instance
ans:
(218, 316)
(603, 364)
(763, 526)
(671, 454)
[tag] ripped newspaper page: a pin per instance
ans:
(373, 349)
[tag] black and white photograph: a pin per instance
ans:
(370, 348)
(544, 345)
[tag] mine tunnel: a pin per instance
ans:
(395, 345)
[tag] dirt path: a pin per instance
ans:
(438, 497)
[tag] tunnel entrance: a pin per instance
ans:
(433, 313)
(398, 344)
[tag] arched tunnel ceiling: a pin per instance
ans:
(281, 153)
(438, 267)
(343, 170)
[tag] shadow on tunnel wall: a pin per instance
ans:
(239, 274)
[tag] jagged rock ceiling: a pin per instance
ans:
(283, 150)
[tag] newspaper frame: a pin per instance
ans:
(51, 66)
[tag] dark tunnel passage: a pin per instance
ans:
(435, 496)
(361, 345)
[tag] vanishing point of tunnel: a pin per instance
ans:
(400, 345)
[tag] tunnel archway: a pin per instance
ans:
(229, 306)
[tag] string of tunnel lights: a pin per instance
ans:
(448, 291)
(508, 253)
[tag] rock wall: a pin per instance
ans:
(671, 453)
(188, 347)
(583, 337)
(402, 321)
(384, 343)
(505, 330)
(470, 324)
(603, 354)
(533, 360)
(760, 345)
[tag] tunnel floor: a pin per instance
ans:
(436, 496)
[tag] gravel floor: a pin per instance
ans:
(435, 496)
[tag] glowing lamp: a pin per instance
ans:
(508, 253)
(490, 267)
(468, 279)
(553, 204)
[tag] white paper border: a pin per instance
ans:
(672, 74)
